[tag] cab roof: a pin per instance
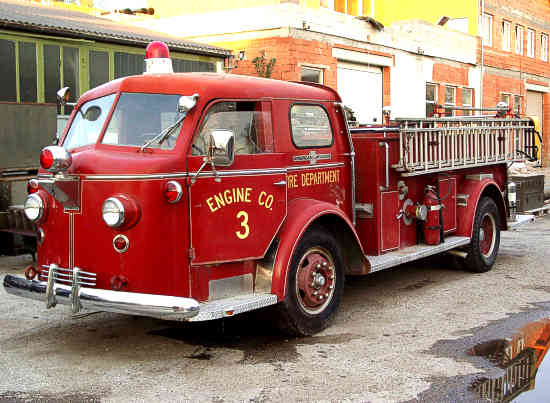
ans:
(216, 85)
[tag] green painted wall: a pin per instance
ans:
(84, 47)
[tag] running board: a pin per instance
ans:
(415, 252)
(226, 307)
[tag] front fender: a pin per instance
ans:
(475, 190)
(301, 214)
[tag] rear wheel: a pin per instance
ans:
(483, 249)
(315, 285)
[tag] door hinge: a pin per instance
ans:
(191, 253)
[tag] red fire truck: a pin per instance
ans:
(200, 196)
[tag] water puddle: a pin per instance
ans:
(526, 376)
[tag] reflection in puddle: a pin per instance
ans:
(522, 359)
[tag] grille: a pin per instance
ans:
(67, 276)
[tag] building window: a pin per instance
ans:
(185, 66)
(431, 99)
(312, 75)
(530, 43)
(128, 64)
(487, 29)
(52, 75)
(467, 98)
(450, 100)
(517, 104)
(519, 40)
(8, 82)
(99, 68)
(310, 126)
(27, 72)
(506, 37)
(544, 47)
(505, 98)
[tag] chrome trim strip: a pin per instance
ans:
(129, 177)
(131, 303)
(71, 241)
(352, 160)
(317, 166)
(241, 172)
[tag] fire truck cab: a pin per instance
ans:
(198, 196)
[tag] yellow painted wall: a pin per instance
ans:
(388, 11)
(171, 8)
(385, 11)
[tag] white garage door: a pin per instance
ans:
(360, 87)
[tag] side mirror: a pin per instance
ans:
(220, 148)
(187, 102)
(63, 96)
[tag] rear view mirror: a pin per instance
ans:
(63, 96)
(220, 149)
(92, 113)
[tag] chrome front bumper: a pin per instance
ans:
(131, 303)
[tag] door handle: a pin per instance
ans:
(280, 183)
(387, 147)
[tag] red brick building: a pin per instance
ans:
(409, 65)
(515, 58)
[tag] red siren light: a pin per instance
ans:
(46, 159)
(157, 59)
(157, 50)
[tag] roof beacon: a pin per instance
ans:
(157, 58)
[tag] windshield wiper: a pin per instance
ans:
(163, 135)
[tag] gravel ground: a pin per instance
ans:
(400, 335)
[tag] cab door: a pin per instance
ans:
(236, 211)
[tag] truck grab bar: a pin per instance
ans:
(385, 188)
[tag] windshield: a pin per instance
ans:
(138, 118)
(88, 122)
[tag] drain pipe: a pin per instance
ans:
(482, 25)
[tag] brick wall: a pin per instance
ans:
(290, 54)
(510, 71)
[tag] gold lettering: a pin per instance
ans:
(247, 195)
(269, 201)
(227, 196)
(260, 197)
(219, 200)
(210, 204)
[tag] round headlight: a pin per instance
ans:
(113, 212)
(34, 207)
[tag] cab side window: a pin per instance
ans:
(310, 126)
(250, 123)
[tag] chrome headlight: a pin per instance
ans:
(34, 207)
(112, 212)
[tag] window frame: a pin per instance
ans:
(517, 105)
(292, 132)
(471, 104)
(205, 114)
(434, 102)
(530, 51)
(544, 47)
(487, 24)
(452, 112)
(506, 35)
(519, 43)
(317, 69)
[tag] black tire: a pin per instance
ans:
(309, 307)
(483, 249)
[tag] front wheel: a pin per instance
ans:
(483, 249)
(315, 284)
